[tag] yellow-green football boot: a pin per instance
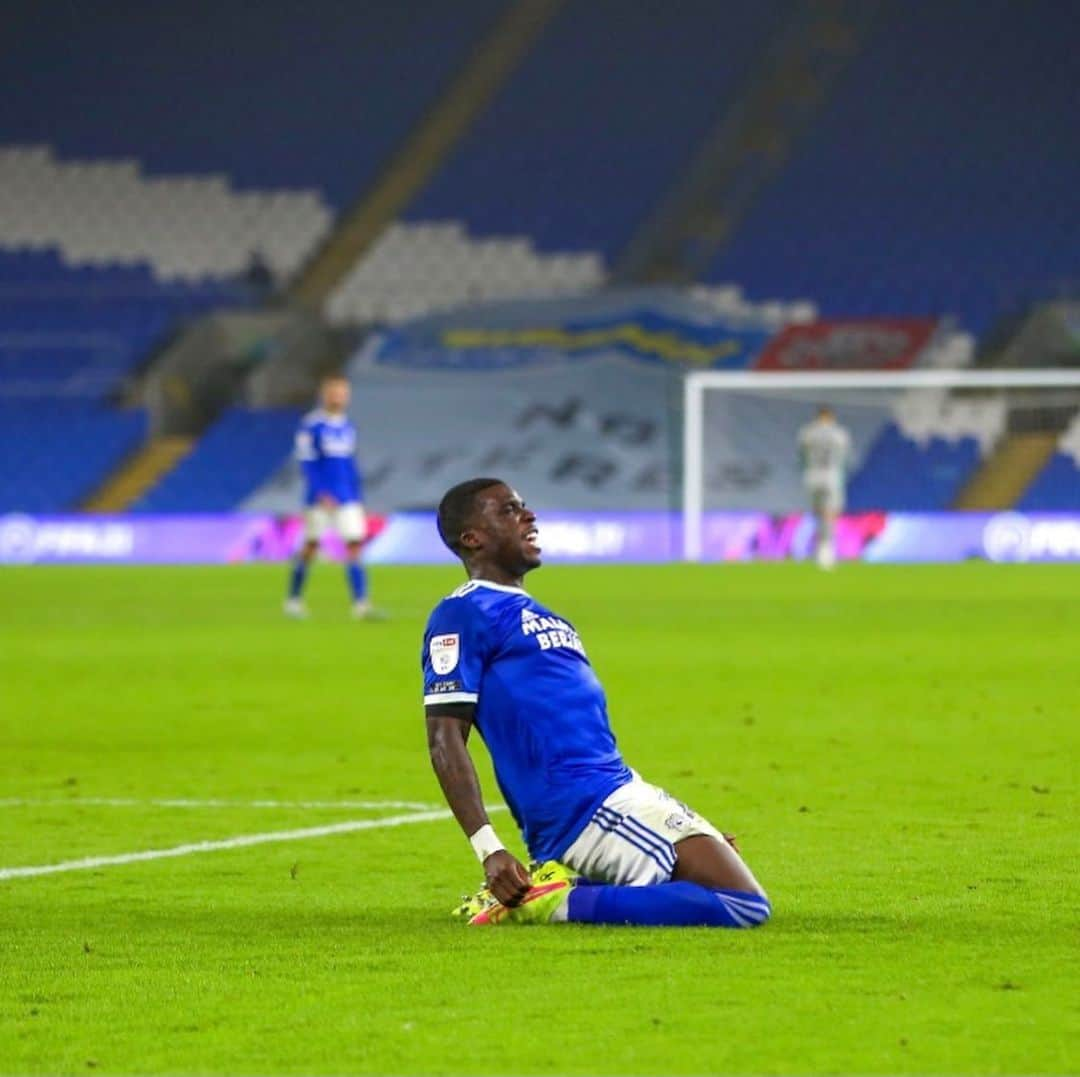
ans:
(551, 885)
(473, 905)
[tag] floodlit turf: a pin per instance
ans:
(895, 746)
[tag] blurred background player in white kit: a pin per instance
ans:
(824, 454)
(326, 449)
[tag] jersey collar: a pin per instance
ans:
(501, 587)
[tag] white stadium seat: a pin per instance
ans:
(183, 227)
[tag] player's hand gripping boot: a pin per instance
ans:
(551, 885)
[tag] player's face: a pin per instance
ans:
(506, 530)
(336, 394)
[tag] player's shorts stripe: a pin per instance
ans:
(664, 849)
(452, 697)
(661, 862)
(631, 840)
(644, 834)
(663, 855)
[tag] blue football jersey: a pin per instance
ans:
(326, 449)
(540, 707)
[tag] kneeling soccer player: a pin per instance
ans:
(610, 848)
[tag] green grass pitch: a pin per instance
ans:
(895, 746)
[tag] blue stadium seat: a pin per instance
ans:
(239, 452)
(79, 332)
(941, 177)
(271, 94)
(599, 120)
(1056, 488)
(68, 339)
(904, 476)
(56, 456)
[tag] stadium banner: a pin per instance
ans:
(652, 325)
(577, 537)
(849, 344)
(577, 399)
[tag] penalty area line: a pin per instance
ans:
(240, 842)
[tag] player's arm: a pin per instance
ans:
(448, 726)
(309, 453)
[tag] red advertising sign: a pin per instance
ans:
(848, 344)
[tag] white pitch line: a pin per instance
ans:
(130, 802)
(239, 842)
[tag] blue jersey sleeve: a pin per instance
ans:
(456, 652)
(310, 457)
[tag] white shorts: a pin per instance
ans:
(347, 520)
(631, 839)
(826, 497)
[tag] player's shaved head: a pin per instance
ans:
(457, 507)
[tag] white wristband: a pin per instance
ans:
(485, 842)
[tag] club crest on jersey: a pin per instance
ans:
(445, 652)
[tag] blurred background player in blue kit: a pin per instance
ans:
(326, 449)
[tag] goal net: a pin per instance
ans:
(927, 440)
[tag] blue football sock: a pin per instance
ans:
(357, 580)
(297, 577)
(678, 904)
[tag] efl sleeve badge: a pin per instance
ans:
(445, 652)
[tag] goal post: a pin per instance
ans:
(822, 385)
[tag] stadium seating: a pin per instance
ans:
(77, 332)
(598, 121)
(69, 337)
(903, 475)
(921, 459)
(417, 269)
(54, 457)
(1057, 487)
(940, 178)
(240, 451)
(269, 95)
(182, 227)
